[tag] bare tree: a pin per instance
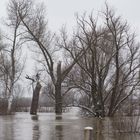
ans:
(35, 26)
(107, 56)
(11, 62)
(126, 60)
(88, 75)
(109, 70)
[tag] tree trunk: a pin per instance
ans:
(35, 99)
(9, 101)
(58, 99)
(9, 106)
(115, 88)
(101, 102)
(58, 96)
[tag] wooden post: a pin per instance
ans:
(88, 133)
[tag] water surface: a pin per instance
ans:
(48, 126)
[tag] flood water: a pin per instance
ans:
(48, 126)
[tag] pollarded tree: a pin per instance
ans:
(36, 91)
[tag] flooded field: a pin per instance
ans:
(48, 126)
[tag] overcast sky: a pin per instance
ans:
(61, 12)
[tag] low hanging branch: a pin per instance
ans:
(83, 107)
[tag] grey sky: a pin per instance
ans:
(61, 12)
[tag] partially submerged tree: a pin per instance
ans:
(36, 92)
(11, 59)
(125, 63)
(108, 73)
(33, 20)
(107, 57)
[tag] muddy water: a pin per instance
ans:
(48, 126)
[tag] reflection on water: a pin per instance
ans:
(34, 117)
(59, 128)
(99, 127)
(36, 131)
(6, 129)
(48, 126)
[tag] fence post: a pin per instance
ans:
(88, 133)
